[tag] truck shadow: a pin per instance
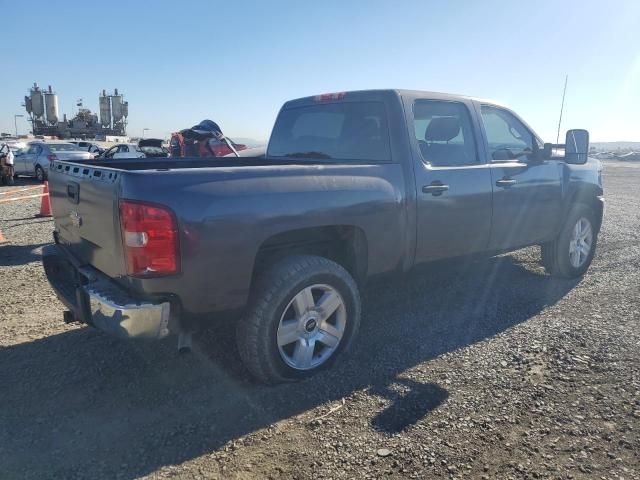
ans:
(12, 255)
(91, 406)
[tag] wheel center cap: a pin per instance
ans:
(310, 325)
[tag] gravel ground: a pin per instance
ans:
(484, 369)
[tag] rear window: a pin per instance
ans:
(63, 147)
(349, 131)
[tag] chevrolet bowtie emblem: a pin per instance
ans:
(76, 219)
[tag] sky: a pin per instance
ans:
(237, 61)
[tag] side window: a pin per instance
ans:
(507, 136)
(109, 153)
(444, 133)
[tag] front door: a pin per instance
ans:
(527, 196)
(453, 183)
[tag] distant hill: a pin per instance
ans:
(613, 146)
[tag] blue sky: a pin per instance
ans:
(236, 62)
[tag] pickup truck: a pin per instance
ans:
(353, 185)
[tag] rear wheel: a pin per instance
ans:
(40, 175)
(304, 313)
(571, 253)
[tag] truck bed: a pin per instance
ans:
(141, 164)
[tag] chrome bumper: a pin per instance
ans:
(126, 317)
(94, 299)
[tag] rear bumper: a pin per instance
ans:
(94, 299)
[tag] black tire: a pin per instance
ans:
(40, 175)
(271, 295)
(555, 254)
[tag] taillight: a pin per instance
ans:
(150, 238)
(52, 157)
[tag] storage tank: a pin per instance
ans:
(116, 106)
(51, 106)
(125, 109)
(105, 110)
(37, 101)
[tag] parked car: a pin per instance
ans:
(145, 148)
(352, 186)
(34, 160)
(88, 146)
(250, 152)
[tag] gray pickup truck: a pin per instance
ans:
(352, 185)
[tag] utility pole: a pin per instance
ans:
(15, 122)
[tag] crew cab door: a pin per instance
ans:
(527, 192)
(453, 182)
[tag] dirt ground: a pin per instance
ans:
(483, 369)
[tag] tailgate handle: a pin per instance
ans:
(73, 192)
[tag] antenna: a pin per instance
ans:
(562, 107)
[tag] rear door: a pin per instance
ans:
(28, 164)
(453, 181)
(527, 198)
(20, 161)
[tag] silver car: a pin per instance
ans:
(34, 160)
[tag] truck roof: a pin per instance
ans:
(379, 94)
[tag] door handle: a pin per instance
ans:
(435, 189)
(506, 182)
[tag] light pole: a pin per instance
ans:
(15, 122)
(144, 130)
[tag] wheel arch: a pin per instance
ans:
(588, 195)
(344, 244)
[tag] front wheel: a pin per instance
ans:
(303, 314)
(571, 253)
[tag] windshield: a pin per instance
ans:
(352, 131)
(64, 147)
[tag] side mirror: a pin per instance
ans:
(502, 154)
(576, 148)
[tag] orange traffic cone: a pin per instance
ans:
(45, 204)
(2, 239)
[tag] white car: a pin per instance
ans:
(145, 148)
(88, 146)
(123, 150)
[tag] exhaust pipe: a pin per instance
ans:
(185, 340)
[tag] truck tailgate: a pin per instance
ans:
(84, 204)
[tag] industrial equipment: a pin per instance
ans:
(42, 107)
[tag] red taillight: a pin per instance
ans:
(150, 239)
(52, 157)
